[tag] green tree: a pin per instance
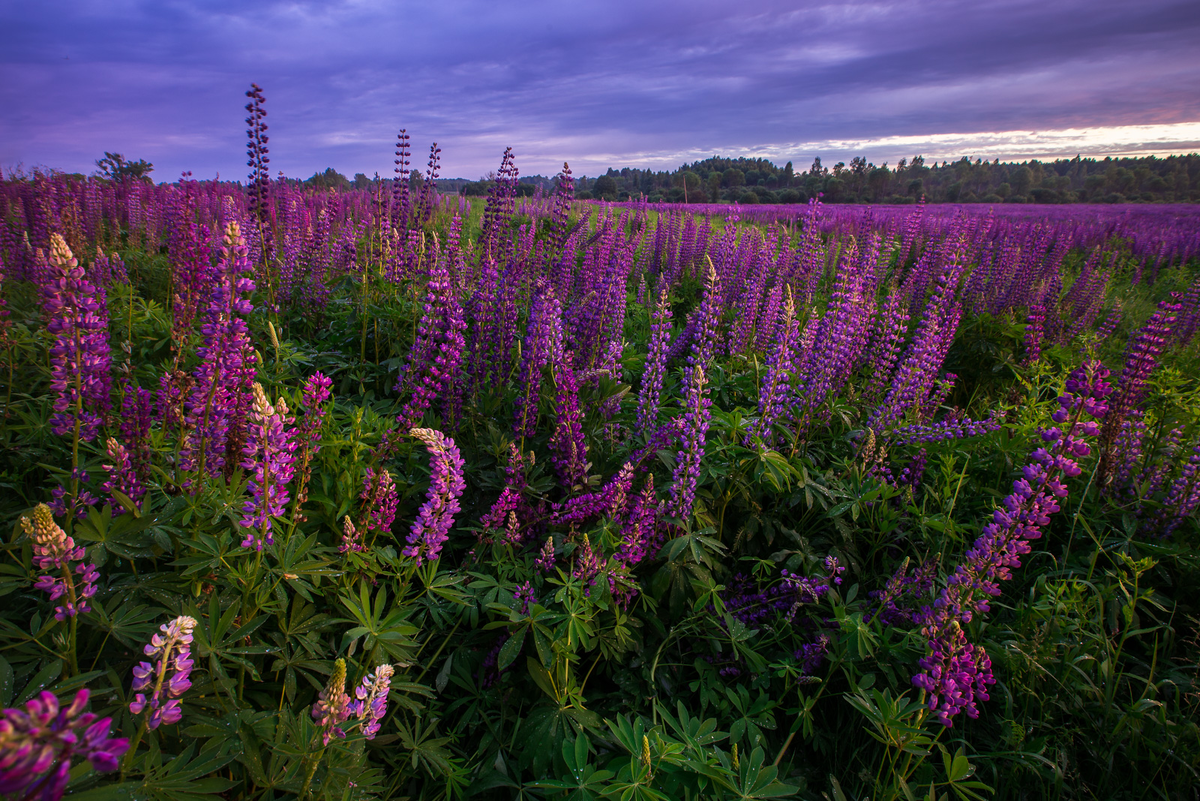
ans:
(114, 167)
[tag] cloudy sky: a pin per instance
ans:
(598, 84)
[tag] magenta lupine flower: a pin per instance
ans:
(217, 410)
(435, 517)
(656, 365)
(1033, 334)
(351, 538)
(955, 674)
(379, 501)
(37, 744)
(135, 425)
(545, 560)
(122, 477)
(61, 560)
(688, 460)
(524, 596)
(438, 350)
(567, 445)
(269, 453)
(79, 358)
(332, 708)
(307, 435)
(158, 686)
(371, 697)
(773, 395)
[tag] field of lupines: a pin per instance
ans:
(380, 494)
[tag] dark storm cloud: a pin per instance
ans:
(596, 84)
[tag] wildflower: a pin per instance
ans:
(545, 559)
(37, 744)
(269, 454)
(351, 539)
(435, 517)
(332, 708)
(380, 500)
(167, 677)
(54, 552)
(122, 477)
(371, 700)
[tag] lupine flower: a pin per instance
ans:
(688, 460)
(79, 358)
(435, 517)
(332, 708)
(545, 560)
(37, 744)
(955, 674)
(379, 501)
(269, 455)
(524, 596)
(370, 704)
(59, 558)
(308, 434)
(122, 477)
(351, 538)
(656, 365)
(166, 679)
(567, 445)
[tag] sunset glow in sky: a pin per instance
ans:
(648, 84)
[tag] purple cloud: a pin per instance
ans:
(620, 83)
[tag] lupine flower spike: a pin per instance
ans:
(446, 485)
(160, 685)
(370, 704)
(61, 560)
(37, 744)
(332, 708)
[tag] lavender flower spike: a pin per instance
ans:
(436, 515)
(269, 454)
(37, 744)
(371, 700)
(167, 678)
(332, 708)
(54, 552)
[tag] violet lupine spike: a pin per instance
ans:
(269, 455)
(307, 435)
(567, 445)
(953, 427)
(1183, 497)
(351, 538)
(60, 560)
(122, 477)
(37, 744)
(954, 673)
(80, 359)
(686, 475)
(656, 365)
(773, 395)
(370, 700)
(332, 708)
(546, 559)
(1033, 335)
(446, 484)
(159, 686)
(379, 499)
(437, 352)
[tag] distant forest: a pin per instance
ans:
(1175, 179)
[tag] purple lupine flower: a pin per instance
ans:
(217, 409)
(437, 352)
(1141, 357)
(79, 358)
(379, 501)
(546, 559)
(567, 445)
(159, 686)
(60, 560)
(656, 365)
(351, 538)
(901, 590)
(307, 435)
(122, 476)
(609, 501)
(371, 697)
(687, 465)
(1033, 335)
(436, 516)
(37, 744)
(332, 708)
(640, 539)
(543, 339)
(953, 427)
(136, 417)
(955, 674)
(524, 596)
(1183, 496)
(773, 395)
(269, 454)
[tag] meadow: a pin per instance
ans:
(382, 494)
